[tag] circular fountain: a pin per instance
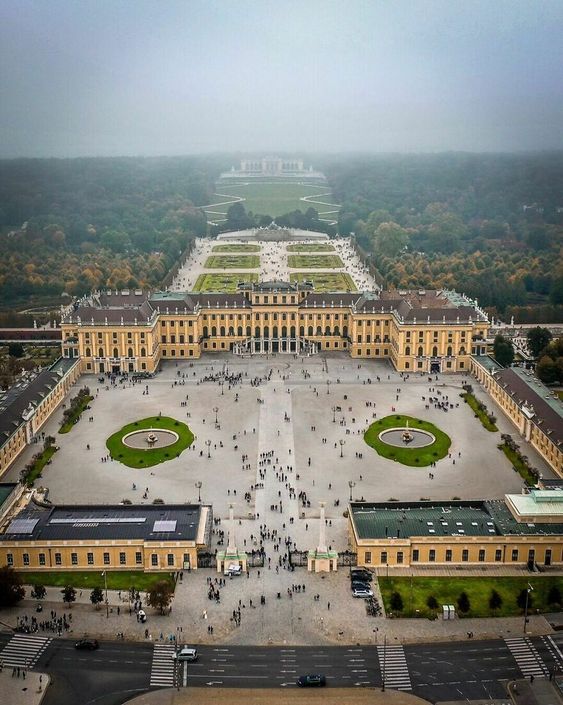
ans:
(150, 438)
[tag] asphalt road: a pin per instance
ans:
(438, 671)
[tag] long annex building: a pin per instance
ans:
(424, 331)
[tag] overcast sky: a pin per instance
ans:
(142, 77)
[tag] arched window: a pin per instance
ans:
(449, 351)
(345, 331)
(327, 330)
(435, 351)
(257, 332)
(222, 331)
(266, 331)
(462, 350)
(420, 351)
(129, 352)
(284, 332)
(319, 330)
(292, 332)
(100, 352)
(336, 330)
(239, 331)
(115, 352)
(88, 352)
(213, 331)
(143, 352)
(310, 330)
(408, 350)
(248, 331)
(205, 332)
(275, 332)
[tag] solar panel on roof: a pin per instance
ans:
(164, 525)
(98, 520)
(22, 526)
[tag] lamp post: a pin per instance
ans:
(333, 414)
(351, 485)
(105, 574)
(222, 390)
(328, 386)
(342, 442)
(216, 410)
(529, 589)
(208, 444)
(198, 484)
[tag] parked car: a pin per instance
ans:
(361, 574)
(186, 653)
(359, 585)
(87, 644)
(362, 592)
(311, 680)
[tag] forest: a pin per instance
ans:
(488, 225)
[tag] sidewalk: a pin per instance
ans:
(540, 692)
(16, 691)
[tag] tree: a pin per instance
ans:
(432, 602)
(538, 339)
(96, 597)
(11, 588)
(69, 595)
(160, 595)
(495, 600)
(554, 596)
(546, 370)
(396, 602)
(463, 603)
(521, 599)
(389, 239)
(38, 592)
(16, 350)
(503, 351)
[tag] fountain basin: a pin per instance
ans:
(396, 437)
(159, 438)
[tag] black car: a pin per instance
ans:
(358, 574)
(357, 585)
(87, 645)
(311, 680)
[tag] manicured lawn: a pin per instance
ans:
(236, 248)
(311, 247)
(141, 458)
(39, 464)
(68, 425)
(314, 261)
(222, 282)
(520, 467)
(446, 590)
(273, 198)
(482, 415)
(87, 580)
(415, 457)
(232, 262)
(326, 281)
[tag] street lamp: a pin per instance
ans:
(342, 442)
(333, 414)
(198, 484)
(105, 574)
(351, 484)
(216, 410)
(208, 444)
(328, 386)
(529, 589)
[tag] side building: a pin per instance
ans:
(522, 530)
(535, 411)
(148, 538)
(132, 331)
(26, 406)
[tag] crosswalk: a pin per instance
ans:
(393, 665)
(527, 657)
(24, 650)
(162, 668)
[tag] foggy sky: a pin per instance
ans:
(139, 77)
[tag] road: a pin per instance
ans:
(438, 671)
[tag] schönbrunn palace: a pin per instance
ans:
(425, 331)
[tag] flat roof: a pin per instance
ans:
(396, 520)
(6, 489)
(155, 522)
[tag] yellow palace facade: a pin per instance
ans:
(132, 331)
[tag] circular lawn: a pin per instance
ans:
(146, 457)
(415, 457)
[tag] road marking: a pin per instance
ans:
(393, 664)
(527, 657)
(24, 650)
(162, 668)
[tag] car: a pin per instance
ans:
(362, 592)
(311, 680)
(234, 569)
(87, 644)
(186, 653)
(361, 574)
(359, 585)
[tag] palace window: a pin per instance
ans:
(90, 558)
(74, 558)
(106, 558)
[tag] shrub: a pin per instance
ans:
(396, 602)
(495, 600)
(432, 602)
(463, 603)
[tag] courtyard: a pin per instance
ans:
(310, 416)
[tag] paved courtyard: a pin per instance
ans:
(287, 415)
